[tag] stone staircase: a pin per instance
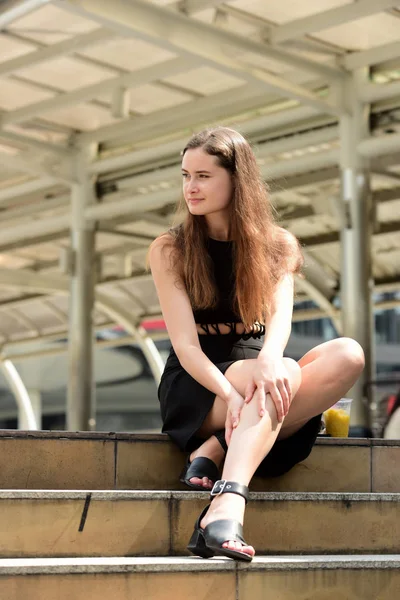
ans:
(94, 515)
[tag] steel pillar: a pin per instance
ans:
(81, 409)
(356, 234)
(35, 397)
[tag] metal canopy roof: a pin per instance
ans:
(132, 79)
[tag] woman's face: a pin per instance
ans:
(207, 187)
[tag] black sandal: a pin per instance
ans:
(199, 467)
(202, 467)
(208, 542)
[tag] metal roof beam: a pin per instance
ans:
(292, 90)
(316, 293)
(25, 188)
(190, 7)
(373, 92)
(179, 118)
(171, 150)
(23, 162)
(107, 210)
(34, 241)
(327, 19)
(178, 31)
(386, 195)
(19, 139)
(331, 237)
(24, 320)
(11, 10)
(376, 146)
(373, 56)
(141, 77)
(301, 164)
(54, 51)
(158, 152)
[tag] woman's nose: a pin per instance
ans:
(192, 187)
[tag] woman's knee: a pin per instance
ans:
(351, 354)
(239, 374)
(294, 371)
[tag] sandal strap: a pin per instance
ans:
(202, 467)
(229, 487)
(225, 530)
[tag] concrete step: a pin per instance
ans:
(77, 523)
(65, 460)
(266, 578)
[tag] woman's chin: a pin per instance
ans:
(197, 210)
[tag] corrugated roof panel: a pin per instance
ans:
(51, 24)
(83, 117)
(66, 74)
(205, 80)
(128, 54)
(287, 10)
(11, 48)
(364, 33)
(149, 98)
(14, 94)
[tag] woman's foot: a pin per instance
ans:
(213, 450)
(228, 506)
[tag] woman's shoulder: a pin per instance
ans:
(286, 237)
(162, 252)
(168, 239)
(290, 249)
(161, 248)
(162, 241)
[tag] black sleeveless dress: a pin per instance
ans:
(185, 403)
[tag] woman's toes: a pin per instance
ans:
(205, 482)
(239, 547)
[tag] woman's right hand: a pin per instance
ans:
(235, 403)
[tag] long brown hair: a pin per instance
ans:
(263, 252)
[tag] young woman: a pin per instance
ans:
(224, 279)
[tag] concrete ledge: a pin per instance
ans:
(131, 495)
(162, 437)
(86, 460)
(52, 566)
(266, 578)
(159, 523)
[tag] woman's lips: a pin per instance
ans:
(195, 200)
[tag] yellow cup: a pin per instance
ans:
(337, 418)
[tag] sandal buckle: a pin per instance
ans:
(219, 487)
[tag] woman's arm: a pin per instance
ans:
(178, 316)
(279, 325)
(270, 375)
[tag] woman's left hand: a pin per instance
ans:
(270, 376)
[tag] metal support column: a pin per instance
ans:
(356, 239)
(81, 409)
(21, 395)
(35, 397)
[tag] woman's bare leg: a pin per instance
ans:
(216, 417)
(327, 372)
(250, 443)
